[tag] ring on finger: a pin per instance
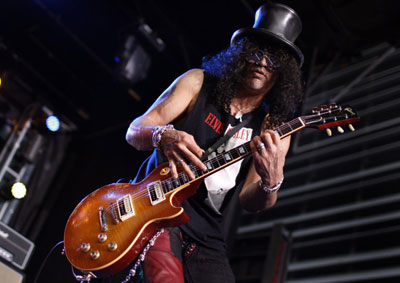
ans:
(260, 147)
(179, 161)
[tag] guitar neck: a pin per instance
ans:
(225, 159)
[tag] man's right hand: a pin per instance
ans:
(180, 148)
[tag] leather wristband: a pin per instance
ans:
(270, 190)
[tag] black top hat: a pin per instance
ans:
(277, 23)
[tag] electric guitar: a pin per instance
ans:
(109, 228)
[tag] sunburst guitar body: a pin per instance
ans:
(109, 228)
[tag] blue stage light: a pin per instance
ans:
(53, 123)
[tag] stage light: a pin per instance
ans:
(152, 37)
(133, 61)
(18, 190)
(53, 123)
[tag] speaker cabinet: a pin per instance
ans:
(14, 247)
(9, 275)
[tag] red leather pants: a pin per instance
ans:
(163, 262)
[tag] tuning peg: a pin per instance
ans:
(329, 132)
(351, 128)
(332, 106)
(324, 107)
(340, 129)
(315, 110)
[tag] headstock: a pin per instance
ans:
(325, 117)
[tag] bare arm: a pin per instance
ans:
(174, 102)
(267, 165)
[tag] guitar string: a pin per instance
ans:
(181, 176)
(145, 193)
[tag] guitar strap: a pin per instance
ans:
(224, 138)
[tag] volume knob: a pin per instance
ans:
(102, 237)
(112, 246)
(85, 247)
(95, 255)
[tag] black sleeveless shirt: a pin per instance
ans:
(207, 124)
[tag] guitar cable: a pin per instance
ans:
(45, 260)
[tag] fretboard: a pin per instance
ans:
(227, 158)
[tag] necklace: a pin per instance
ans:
(239, 114)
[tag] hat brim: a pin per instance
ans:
(274, 38)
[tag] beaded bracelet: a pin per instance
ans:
(157, 134)
(270, 190)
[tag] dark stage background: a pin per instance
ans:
(99, 64)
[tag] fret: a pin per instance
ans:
(284, 129)
(180, 178)
(298, 122)
(196, 171)
(289, 127)
(235, 153)
(169, 184)
(221, 159)
(199, 172)
(184, 178)
(247, 147)
(214, 162)
(279, 131)
(176, 183)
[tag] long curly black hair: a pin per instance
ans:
(226, 70)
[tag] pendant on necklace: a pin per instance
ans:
(239, 115)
